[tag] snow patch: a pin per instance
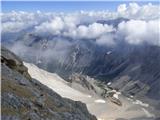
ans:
(138, 102)
(39, 61)
(100, 119)
(109, 83)
(147, 113)
(115, 96)
(131, 96)
(130, 99)
(89, 96)
(115, 93)
(54, 82)
(109, 52)
(100, 101)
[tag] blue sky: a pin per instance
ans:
(53, 6)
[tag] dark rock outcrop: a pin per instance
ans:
(24, 98)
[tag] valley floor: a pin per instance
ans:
(103, 109)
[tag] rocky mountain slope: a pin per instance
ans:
(99, 98)
(24, 98)
(133, 69)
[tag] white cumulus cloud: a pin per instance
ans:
(135, 11)
(92, 31)
(106, 40)
(54, 27)
(139, 31)
(142, 27)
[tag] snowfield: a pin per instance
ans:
(54, 82)
(102, 109)
(100, 101)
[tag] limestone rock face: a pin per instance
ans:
(24, 98)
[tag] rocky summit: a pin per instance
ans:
(24, 98)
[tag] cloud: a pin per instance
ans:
(92, 31)
(13, 26)
(57, 50)
(68, 26)
(131, 11)
(135, 11)
(138, 31)
(16, 26)
(17, 21)
(53, 27)
(106, 40)
(142, 25)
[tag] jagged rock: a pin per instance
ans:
(85, 84)
(13, 62)
(40, 101)
(22, 82)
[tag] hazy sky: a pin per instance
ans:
(53, 6)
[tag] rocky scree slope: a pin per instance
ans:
(24, 98)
